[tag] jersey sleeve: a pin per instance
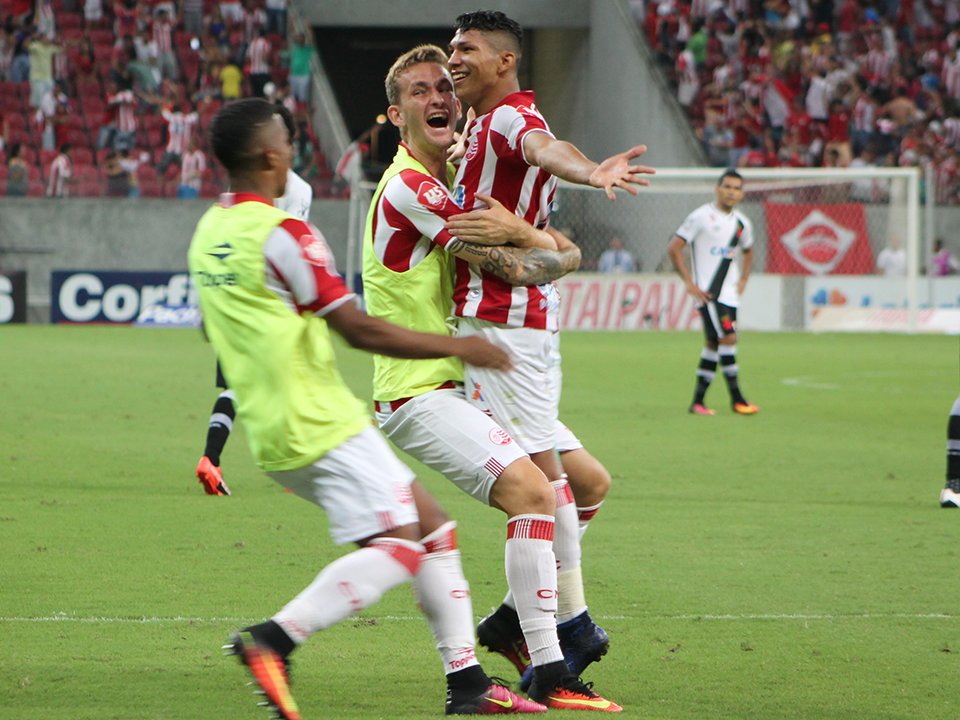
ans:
(514, 124)
(746, 239)
(690, 227)
(425, 203)
(302, 268)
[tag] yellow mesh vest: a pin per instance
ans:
(291, 399)
(419, 299)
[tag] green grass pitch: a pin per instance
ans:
(792, 565)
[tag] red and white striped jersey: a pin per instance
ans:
(259, 56)
(163, 36)
(409, 220)
(251, 21)
(191, 169)
(864, 114)
(877, 64)
(125, 104)
(950, 74)
(495, 164)
(179, 129)
(60, 171)
(951, 133)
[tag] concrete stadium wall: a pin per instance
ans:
(595, 79)
(40, 235)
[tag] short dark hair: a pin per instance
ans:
(730, 174)
(234, 128)
(490, 21)
(284, 112)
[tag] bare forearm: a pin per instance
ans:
(374, 335)
(530, 266)
(566, 162)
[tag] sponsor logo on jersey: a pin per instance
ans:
(431, 195)
(459, 195)
(222, 251)
(315, 250)
(499, 436)
(473, 147)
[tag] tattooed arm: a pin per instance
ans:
(519, 266)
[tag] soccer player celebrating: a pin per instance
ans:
(407, 271)
(715, 232)
(296, 200)
(512, 155)
(269, 292)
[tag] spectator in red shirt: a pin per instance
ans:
(838, 131)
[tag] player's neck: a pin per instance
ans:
(495, 95)
(433, 158)
(254, 183)
(725, 209)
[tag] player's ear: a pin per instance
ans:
(507, 61)
(395, 116)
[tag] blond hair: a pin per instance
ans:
(419, 54)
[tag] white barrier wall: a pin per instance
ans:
(592, 301)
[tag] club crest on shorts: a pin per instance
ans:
(499, 436)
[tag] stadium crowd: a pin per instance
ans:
(114, 98)
(798, 83)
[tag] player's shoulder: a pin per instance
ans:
(414, 187)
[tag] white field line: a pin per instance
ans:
(183, 619)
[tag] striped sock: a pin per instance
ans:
(706, 371)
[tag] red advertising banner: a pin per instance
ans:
(818, 239)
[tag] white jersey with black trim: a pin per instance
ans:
(297, 198)
(709, 232)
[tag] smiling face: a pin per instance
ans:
(480, 62)
(427, 110)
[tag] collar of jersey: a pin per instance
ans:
(229, 199)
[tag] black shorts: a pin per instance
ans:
(718, 320)
(221, 381)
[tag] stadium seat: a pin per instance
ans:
(150, 189)
(70, 20)
(36, 189)
(147, 172)
(82, 155)
(87, 187)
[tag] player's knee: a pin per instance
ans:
(730, 339)
(589, 481)
(523, 488)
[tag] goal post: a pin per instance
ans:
(818, 234)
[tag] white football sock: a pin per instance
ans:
(532, 577)
(444, 596)
(585, 515)
(566, 546)
(348, 585)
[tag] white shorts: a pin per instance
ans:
(523, 401)
(565, 439)
(362, 486)
(448, 434)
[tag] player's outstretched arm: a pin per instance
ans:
(565, 160)
(375, 335)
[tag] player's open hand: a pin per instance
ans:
(495, 225)
(475, 350)
(617, 172)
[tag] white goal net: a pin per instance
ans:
(819, 234)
